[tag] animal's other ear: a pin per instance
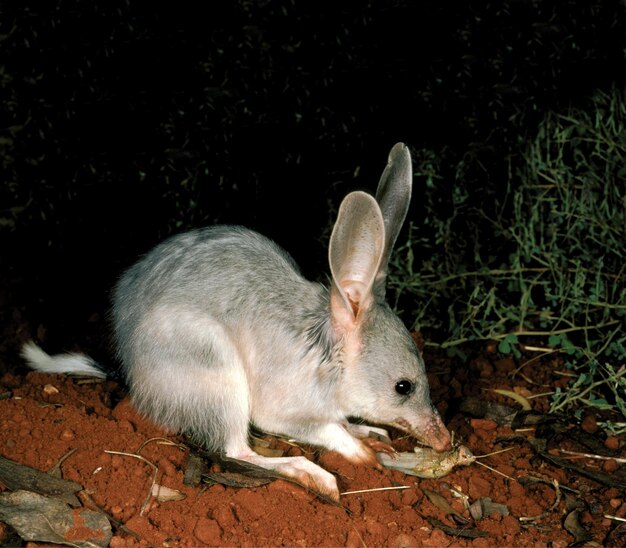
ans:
(393, 196)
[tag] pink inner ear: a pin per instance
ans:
(354, 290)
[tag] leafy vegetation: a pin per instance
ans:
(548, 264)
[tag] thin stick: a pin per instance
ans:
(590, 456)
(399, 487)
(540, 395)
(616, 518)
(154, 478)
(161, 441)
(543, 349)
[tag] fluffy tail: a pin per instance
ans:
(75, 364)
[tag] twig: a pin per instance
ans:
(540, 395)
(590, 456)
(154, 478)
(616, 518)
(397, 488)
(161, 441)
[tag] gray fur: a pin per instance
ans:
(216, 329)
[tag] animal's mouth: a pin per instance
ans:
(432, 433)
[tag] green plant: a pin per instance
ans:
(543, 262)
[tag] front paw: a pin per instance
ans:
(378, 446)
(363, 431)
(365, 454)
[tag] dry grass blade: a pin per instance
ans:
(160, 441)
(592, 456)
(375, 489)
(154, 477)
(615, 518)
(514, 396)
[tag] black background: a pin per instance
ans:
(125, 122)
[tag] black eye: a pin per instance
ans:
(404, 387)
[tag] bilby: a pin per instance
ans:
(217, 330)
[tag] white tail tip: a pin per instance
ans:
(74, 364)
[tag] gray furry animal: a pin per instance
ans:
(217, 330)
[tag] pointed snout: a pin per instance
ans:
(436, 434)
(442, 442)
(430, 430)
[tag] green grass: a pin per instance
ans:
(540, 263)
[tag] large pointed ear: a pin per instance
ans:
(393, 196)
(355, 253)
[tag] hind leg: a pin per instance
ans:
(299, 469)
(185, 373)
(190, 376)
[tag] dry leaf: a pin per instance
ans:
(194, 468)
(573, 526)
(503, 415)
(235, 479)
(484, 507)
(514, 396)
(166, 494)
(440, 502)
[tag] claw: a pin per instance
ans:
(378, 446)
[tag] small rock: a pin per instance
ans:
(589, 424)
(610, 466)
(404, 541)
(67, 435)
(208, 532)
(117, 511)
(483, 424)
(491, 347)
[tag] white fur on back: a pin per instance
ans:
(75, 364)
